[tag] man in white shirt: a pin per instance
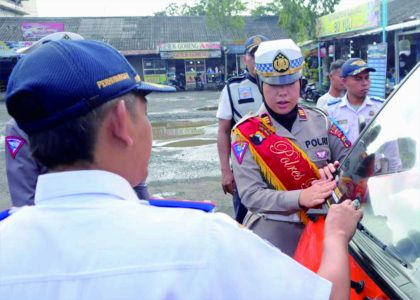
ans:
(239, 97)
(85, 113)
(356, 104)
(337, 88)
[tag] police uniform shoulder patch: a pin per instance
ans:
(14, 144)
(337, 131)
(239, 149)
(333, 101)
(206, 206)
(377, 99)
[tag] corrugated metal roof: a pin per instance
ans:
(146, 33)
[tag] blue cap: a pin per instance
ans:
(354, 66)
(253, 42)
(66, 79)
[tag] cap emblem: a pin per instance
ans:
(257, 40)
(359, 63)
(281, 63)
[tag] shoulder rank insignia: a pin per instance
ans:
(333, 101)
(14, 144)
(206, 206)
(377, 99)
(239, 149)
(302, 114)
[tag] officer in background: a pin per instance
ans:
(21, 169)
(239, 97)
(356, 105)
(284, 155)
(337, 88)
(91, 238)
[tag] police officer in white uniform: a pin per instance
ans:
(239, 97)
(21, 169)
(273, 210)
(356, 106)
(90, 238)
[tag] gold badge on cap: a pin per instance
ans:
(281, 63)
(256, 40)
(359, 63)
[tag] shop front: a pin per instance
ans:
(195, 61)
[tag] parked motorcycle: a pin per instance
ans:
(199, 85)
(311, 93)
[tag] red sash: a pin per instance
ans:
(283, 164)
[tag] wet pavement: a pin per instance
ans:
(184, 163)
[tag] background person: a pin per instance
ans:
(91, 238)
(21, 169)
(240, 96)
(279, 150)
(356, 104)
(337, 89)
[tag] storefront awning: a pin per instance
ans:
(393, 27)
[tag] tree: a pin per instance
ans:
(219, 13)
(173, 9)
(225, 13)
(297, 17)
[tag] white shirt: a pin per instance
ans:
(91, 239)
(322, 101)
(348, 118)
(246, 98)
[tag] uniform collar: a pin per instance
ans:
(345, 102)
(280, 130)
(53, 186)
(250, 78)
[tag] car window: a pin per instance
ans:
(383, 171)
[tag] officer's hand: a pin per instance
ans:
(328, 171)
(316, 194)
(341, 221)
(228, 181)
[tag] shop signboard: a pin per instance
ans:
(377, 57)
(190, 46)
(190, 54)
(362, 17)
(32, 30)
(155, 78)
(8, 48)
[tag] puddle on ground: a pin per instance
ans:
(187, 143)
(207, 108)
(179, 129)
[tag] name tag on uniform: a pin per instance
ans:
(245, 95)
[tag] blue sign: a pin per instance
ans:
(377, 58)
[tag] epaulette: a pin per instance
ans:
(377, 99)
(206, 206)
(332, 102)
(318, 110)
(237, 78)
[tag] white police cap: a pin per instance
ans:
(279, 62)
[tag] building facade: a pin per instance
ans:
(160, 48)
